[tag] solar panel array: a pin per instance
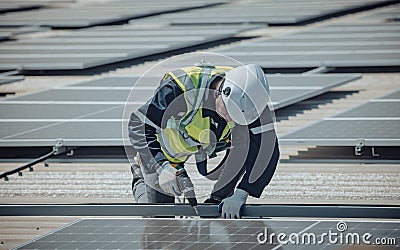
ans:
(90, 113)
(272, 12)
(213, 234)
(98, 46)
(352, 45)
(96, 14)
(348, 46)
(375, 123)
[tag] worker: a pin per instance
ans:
(202, 110)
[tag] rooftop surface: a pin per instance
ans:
(312, 182)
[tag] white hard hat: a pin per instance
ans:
(245, 93)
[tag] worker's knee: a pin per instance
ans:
(143, 193)
(140, 191)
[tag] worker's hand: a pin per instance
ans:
(167, 179)
(231, 207)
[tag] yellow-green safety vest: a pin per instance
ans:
(184, 136)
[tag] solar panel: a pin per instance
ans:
(96, 14)
(284, 13)
(77, 95)
(215, 234)
(105, 132)
(375, 123)
(374, 109)
(78, 50)
(9, 32)
(352, 45)
(90, 113)
(119, 81)
(48, 111)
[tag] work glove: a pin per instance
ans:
(167, 179)
(231, 207)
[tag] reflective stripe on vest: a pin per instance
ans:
(263, 128)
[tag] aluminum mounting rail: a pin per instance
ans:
(251, 210)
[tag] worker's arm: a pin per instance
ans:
(263, 155)
(260, 166)
(260, 152)
(166, 102)
(254, 155)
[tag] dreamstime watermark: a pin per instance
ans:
(338, 236)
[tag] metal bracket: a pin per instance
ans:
(319, 70)
(59, 148)
(359, 147)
